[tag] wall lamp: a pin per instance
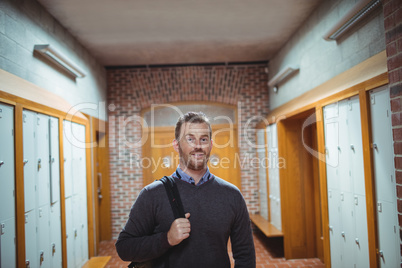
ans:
(356, 14)
(279, 77)
(56, 57)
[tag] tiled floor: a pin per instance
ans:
(269, 254)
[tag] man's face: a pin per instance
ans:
(194, 146)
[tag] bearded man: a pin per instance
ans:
(215, 211)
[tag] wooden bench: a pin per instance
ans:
(97, 262)
(265, 226)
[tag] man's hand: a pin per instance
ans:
(179, 230)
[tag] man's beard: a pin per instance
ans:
(191, 163)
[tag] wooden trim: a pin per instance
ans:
(19, 90)
(90, 194)
(62, 195)
(323, 185)
(19, 186)
(369, 178)
(371, 72)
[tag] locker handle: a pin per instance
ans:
(374, 146)
(357, 241)
(1, 163)
(352, 147)
(331, 228)
(25, 161)
(27, 264)
(42, 257)
(381, 254)
(343, 234)
(53, 248)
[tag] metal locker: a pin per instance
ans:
(43, 227)
(68, 159)
(7, 176)
(361, 239)
(42, 159)
(384, 174)
(30, 165)
(70, 233)
(79, 171)
(78, 236)
(332, 156)
(54, 160)
(273, 173)
(55, 236)
(388, 239)
(334, 213)
(356, 146)
(7, 243)
(345, 180)
(262, 174)
(31, 252)
(84, 228)
(347, 234)
(382, 145)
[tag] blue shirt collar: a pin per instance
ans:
(180, 174)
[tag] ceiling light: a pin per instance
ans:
(58, 58)
(282, 75)
(356, 14)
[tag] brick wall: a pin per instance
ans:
(393, 37)
(132, 89)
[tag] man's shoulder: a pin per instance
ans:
(225, 184)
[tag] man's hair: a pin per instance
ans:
(191, 117)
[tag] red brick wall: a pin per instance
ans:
(132, 89)
(393, 38)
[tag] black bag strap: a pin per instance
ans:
(174, 196)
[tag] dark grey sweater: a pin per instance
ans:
(218, 211)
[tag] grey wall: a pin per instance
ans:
(321, 60)
(24, 23)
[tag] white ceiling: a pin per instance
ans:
(142, 32)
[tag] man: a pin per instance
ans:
(215, 211)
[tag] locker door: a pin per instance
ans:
(388, 235)
(31, 251)
(43, 169)
(30, 165)
(54, 160)
(332, 156)
(68, 159)
(356, 146)
(70, 233)
(273, 173)
(7, 243)
(383, 145)
(7, 176)
(361, 239)
(334, 207)
(345, 180)
(348, 229)
(84, 228)
(262, 174)
(43, 236)
(55, 235)
(78, 149)
(384, 172)
(77, 230)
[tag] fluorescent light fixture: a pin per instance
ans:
(58, 58)
(356, 14)
(282, 75)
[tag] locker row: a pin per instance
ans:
(42, 203)
(345, 179)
